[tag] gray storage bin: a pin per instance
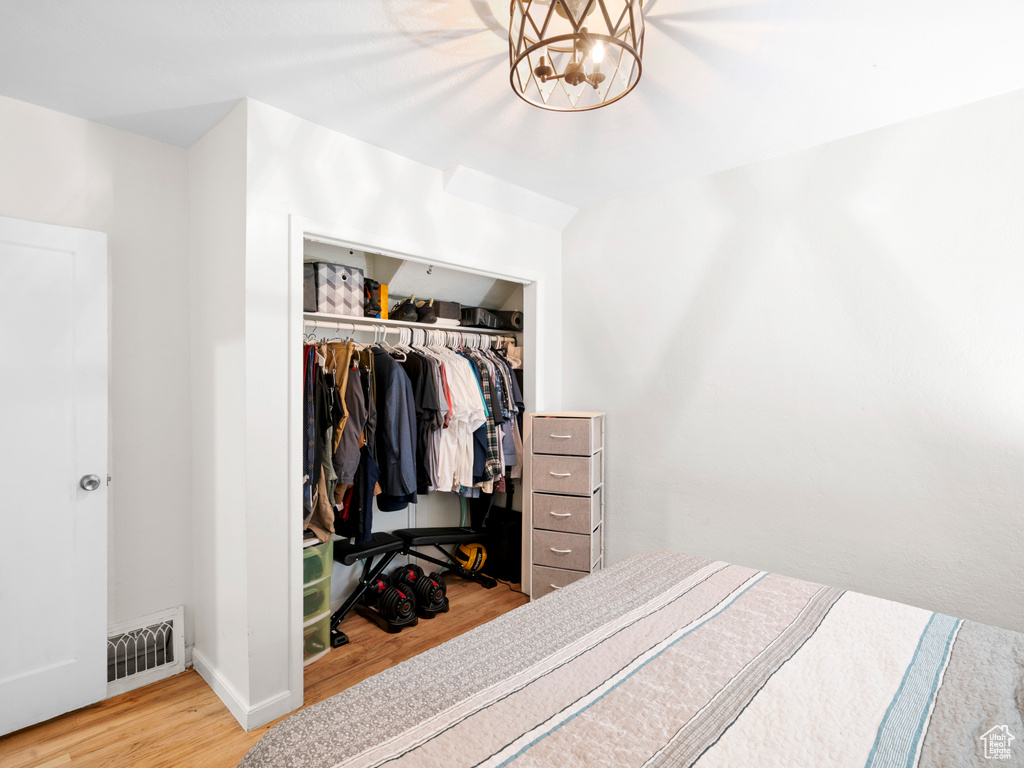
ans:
(309, 287)
(339, 289)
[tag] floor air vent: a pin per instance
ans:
(145, 650)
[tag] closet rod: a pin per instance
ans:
(371, 327)
(359, 323)
(337, 325)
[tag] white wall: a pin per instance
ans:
(814, 364)
(298, 168)
(64, 170)
(217, 174)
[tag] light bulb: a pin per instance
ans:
(597, 52)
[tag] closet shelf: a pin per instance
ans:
(322, 318)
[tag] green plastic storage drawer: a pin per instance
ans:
(317, 562)
(316, 638)
(316, 599)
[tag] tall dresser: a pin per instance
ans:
(565, 493)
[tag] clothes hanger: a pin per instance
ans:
(338, 337)
(404, 338)
(393, 349)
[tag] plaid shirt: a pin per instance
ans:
(492, 469)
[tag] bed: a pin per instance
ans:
(670, 660)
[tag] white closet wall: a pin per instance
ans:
(294, 170)
(217, 168)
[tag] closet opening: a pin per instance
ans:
(429, 438)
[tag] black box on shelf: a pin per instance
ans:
(449, 311)
(478, 317)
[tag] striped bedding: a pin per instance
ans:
(671, 660)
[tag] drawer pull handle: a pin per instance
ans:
(561, 437)
(555, 586)
(560, 474)
(560, 514)
(560, 551)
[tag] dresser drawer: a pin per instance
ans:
(562, 550)
(571, 514)
(569, 437)
(549, 579)
(575, 475)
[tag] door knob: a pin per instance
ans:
(89, 482)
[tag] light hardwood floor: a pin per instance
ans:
(180, 723)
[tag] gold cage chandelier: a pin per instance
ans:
(575, 55)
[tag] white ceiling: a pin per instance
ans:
(725, 83)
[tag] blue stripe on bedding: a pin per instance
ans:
(902, 728)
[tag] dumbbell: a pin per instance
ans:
(430, 590)
(394, 603)
(405, 574)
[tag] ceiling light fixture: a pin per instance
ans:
(575, 55)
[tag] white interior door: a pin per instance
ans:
(53, 440)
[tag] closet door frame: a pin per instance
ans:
(535, 377)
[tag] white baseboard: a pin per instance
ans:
(224, 690)
(248, 716)
(272, 708)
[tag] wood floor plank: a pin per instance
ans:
(56, 762)
(180, 722)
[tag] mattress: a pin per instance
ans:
(671, 660)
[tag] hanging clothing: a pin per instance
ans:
(455, 459)
(396, 431)
(346, 453)
(428, 413)
(492, 468)
(396, 423)
(368, 381)
(354, 518)
(338, 357)
(308, 429)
